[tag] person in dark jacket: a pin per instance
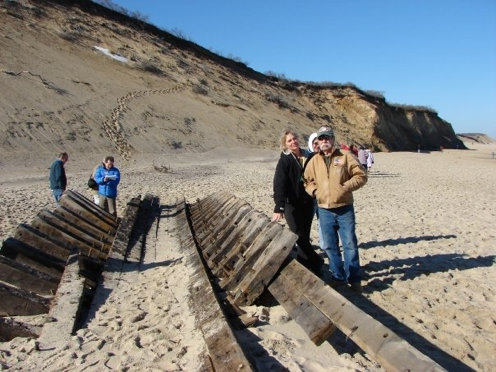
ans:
(291, 200)
(58, 179)
(108, 177)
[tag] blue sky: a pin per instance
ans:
(435, 53)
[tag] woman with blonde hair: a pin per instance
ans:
(291, 200)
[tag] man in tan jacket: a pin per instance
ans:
(331, 176)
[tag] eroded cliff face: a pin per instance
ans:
(162, 94)
(404, 129)
(360, 118)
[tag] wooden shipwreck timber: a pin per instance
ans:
(54, 265)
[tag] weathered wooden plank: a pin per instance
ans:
(123, 233)
(11, 328)
(207, 219)
(96, 216)
(67, 239)
(286, 289)
(82, 205)
(209, 206)
(264, 269)
(221, 230)
(35, 238)
(216, 245)
(17, 301)
(86, 204)
(243, 268)
(239, 243)
(231, 225)
(65, 307)
(224, 350)
(208, 225)
(239, 229)
(75, 230)
(91, 273)
(25, 277)
(31, 256)
(84, 224)
(388, 349)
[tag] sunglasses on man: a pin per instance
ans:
(327, 138)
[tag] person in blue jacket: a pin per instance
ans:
(108, 177)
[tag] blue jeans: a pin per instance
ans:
(57, 193)
(341, 221)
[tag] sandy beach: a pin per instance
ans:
(426, 228)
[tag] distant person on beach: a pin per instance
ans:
(291, 200)
(331, 177)
(94, 191)
(370, 160)
(58, 179)
(362, 157)
(108, 177)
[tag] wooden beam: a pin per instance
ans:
(286, 289)
(29, 255)
(68, 239)
(123, 233)
(215, 244)
(239, 237)
(65, 308)
(388, 349)
(94, 214)
(265, 268)
(86, 204)
(11, 328)
(84, 224)
(244, 266)
(224, 350)
(35, 238)
(75, 230)
(17, 301)
(25, 277)
(204, 220)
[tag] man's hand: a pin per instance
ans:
(277, 217)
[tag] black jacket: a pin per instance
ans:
(288, 183)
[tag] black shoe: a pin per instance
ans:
(316, 260)
(334, 283)
(356, 287)
(311, 266)
(317, 270)
(305, 262)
